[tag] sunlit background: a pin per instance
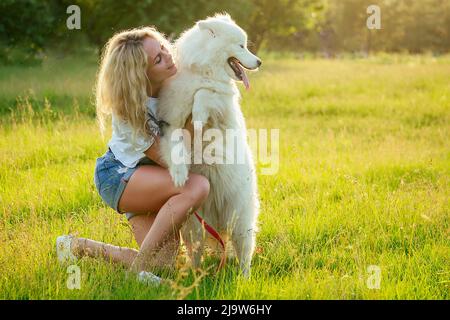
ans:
(329, 28)
(363, 180)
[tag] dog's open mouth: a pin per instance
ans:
(239, 71)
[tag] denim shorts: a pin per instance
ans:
(111, 178)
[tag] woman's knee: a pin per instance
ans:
(198, 187)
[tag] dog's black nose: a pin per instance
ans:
(259, 62)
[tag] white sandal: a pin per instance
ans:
(149, 278)
(64, 249)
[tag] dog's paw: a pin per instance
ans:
(179, 175)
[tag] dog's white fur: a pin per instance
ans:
(205, 87)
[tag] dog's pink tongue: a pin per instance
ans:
(244, 77)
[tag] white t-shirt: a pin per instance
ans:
(121, 143)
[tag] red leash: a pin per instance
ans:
(216, 235)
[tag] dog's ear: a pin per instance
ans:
(205, 25)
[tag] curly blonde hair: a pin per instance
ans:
(121, 87)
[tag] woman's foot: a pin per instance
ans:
(64, 249)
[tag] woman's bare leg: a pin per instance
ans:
(140, 224)
(166, 257)
(86, 247)
(150, 189)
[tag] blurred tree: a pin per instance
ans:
(102, 18)
(27, 27)
(277, 24)
(406, 26)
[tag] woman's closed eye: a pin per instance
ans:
(158, 58)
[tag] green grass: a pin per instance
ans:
(363, 180)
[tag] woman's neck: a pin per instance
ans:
(153, 90)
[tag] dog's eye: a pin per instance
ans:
(242, 46)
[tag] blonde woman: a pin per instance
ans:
(131, 177)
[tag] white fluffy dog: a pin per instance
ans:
(211, 57)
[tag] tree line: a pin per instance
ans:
(329, 27)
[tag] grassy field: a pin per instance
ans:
(363, 180)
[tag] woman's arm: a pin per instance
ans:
(153, 152)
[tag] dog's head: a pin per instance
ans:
(217, 47)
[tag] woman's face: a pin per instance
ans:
(160, 63)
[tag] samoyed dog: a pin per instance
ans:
(211, 57)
